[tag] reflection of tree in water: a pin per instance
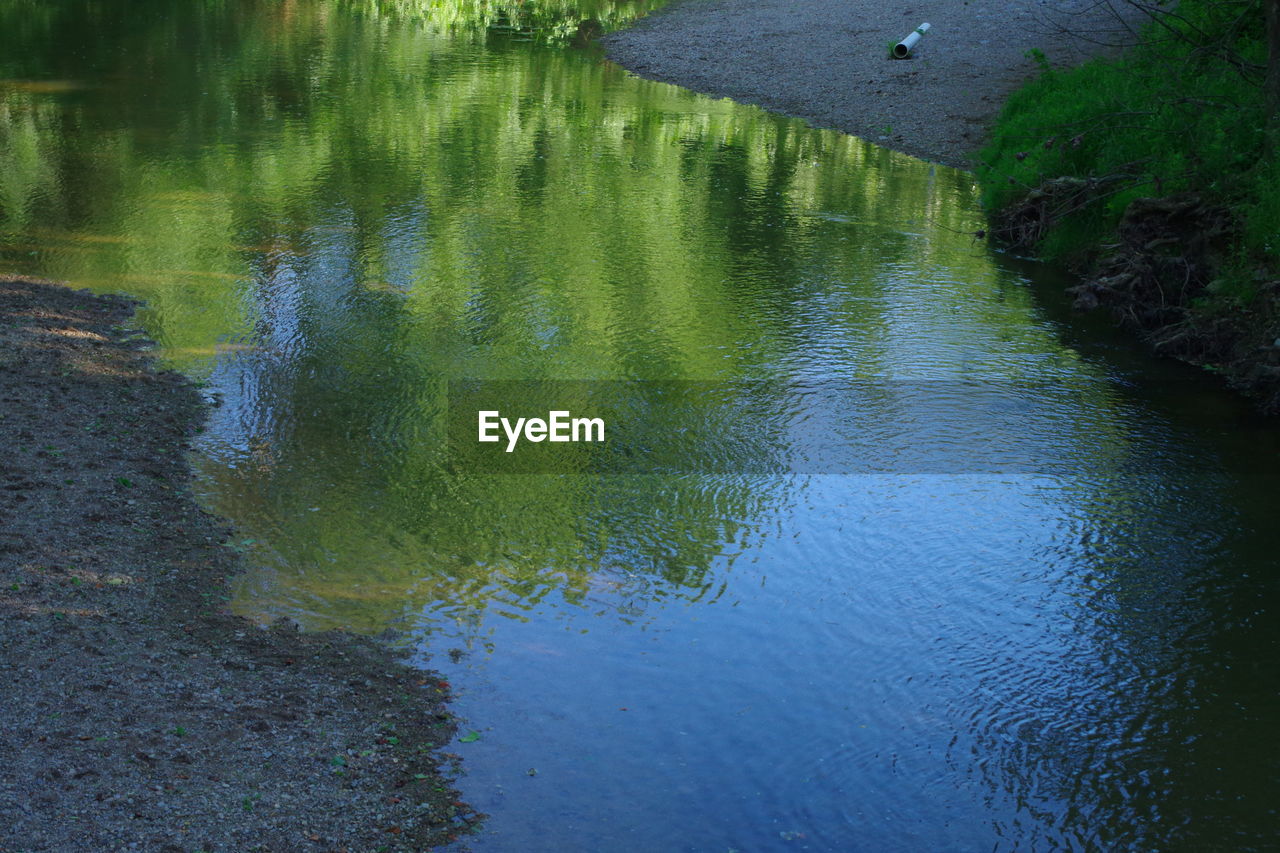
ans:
(353, 422)
(376, 211)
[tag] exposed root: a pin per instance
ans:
(1156, 280)
(1025, 224)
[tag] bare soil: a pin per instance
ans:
(138, 713)
(827, 61)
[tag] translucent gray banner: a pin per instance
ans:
(761, 428)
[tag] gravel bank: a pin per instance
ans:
(138, 714)
(826, 60)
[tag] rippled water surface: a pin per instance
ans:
(884, 551)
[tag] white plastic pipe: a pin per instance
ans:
(902, 49)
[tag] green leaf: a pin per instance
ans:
(471, 737)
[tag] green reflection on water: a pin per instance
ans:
(330, 215)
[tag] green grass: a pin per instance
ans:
(1168, 116)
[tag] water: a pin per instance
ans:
(885, 551)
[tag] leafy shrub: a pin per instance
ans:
(1182, 111)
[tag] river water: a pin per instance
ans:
(883, 551)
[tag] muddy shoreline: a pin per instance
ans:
(827, 61)
(139, 712)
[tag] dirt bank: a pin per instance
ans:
(1158, 278)
(826, 61)
(138, 713)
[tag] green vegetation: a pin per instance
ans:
(546, 20)
(1184, 111)
(1157, 173)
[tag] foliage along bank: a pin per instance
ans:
(1157, 175)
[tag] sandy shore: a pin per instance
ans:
(138, 713)
(826, 61)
